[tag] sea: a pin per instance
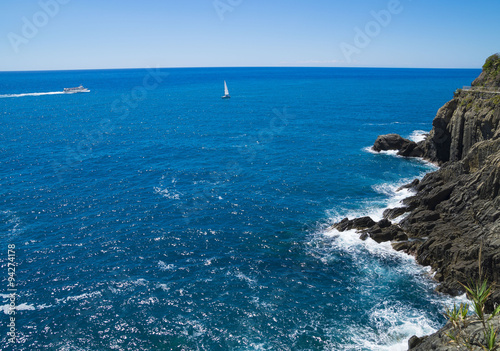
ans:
(150, 214)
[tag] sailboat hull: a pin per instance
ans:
(226, 97)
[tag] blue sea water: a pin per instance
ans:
(150, 214)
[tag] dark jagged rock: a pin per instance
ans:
(457, 209)
(412, 149)
(440, 341)
(411, 202)
(422, 215)
(384, 223)
(380, 231)
(392, 213)
(413, 185)
(391, 142)
(356, 223)
(405, 147)
(406, 246)
(415, 341)
(385, 232)
(437, 195)
(437, 145)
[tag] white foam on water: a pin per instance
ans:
(5, 309)
(370, 150)
(390, 152)
(164, 287)
(255, 347)
(21, 307)
(390, 323)
(152, 300)
(389, 330)
(13, 221)
(251, 282)
(167, 193)
(418, 135)
(119, 287)
(25, 307)
(349, 242)
(44, 306)
(394, 195)
(139, 282)
(85, 296)
(165, 267)
(432, 167)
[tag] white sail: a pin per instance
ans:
(226, 92)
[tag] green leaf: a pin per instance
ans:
(490, 336)
(495, 312)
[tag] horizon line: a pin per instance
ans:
(205, 67)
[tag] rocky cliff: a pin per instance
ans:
(441, 342)
(452, 223)
(471, 117)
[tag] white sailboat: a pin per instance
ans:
(226, 92)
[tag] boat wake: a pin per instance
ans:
(3, 96)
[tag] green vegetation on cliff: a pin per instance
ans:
(492, 62)
(490, 77)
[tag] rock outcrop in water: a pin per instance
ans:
(452, 223)
(404, 146)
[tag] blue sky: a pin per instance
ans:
(91, 34)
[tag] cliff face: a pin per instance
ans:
(464, 194)
(455, 215)
(471, 117)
